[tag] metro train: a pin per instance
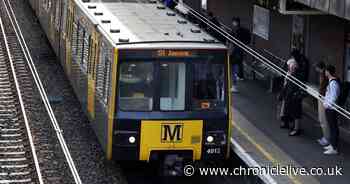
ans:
(153, 85)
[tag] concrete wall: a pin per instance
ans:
(280, 25)
(226, 9)
(325, 33)
(280, 35)
(326, 40)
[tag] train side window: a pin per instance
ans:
(107, 78)
(75, 41)
(102, 75)
(172, 86)
(136, 86)
(92, 53)
(86, 52)
(83, 45)
(94, 59)
(80, 43)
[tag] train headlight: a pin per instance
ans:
(210, 139)
(132, 139)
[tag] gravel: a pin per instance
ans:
(80, 138)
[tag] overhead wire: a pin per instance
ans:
(309, 90)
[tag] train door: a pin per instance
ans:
(93, 60)
(69, 36)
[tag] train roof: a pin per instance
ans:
(146, 22)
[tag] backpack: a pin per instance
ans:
(303, 63)
(244, 35)
(344, 88)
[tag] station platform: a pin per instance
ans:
(258, 140)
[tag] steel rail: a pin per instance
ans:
(42, 92)
(35, 158)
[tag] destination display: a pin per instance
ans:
(174, 53)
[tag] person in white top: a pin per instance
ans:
(324, 140)
(332, 94)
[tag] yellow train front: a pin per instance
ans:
(153, 85)
(171, 102)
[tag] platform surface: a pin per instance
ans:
(259, 140)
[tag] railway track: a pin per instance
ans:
(29, 153)
(18, 160)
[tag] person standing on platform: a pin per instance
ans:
(331, 97)
(236, 53)
(214, 19)
(324, 140)
(243, 35)
(291, 96)
(236, 57)
(234, 68)
(215, 32)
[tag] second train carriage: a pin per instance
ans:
(151, 83)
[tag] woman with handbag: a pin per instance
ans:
(291, 96)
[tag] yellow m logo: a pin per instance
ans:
(172, 133)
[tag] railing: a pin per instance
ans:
(263, 60)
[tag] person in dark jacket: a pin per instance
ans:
(243, 35)
(291, 96)
(170, 3)
(213, 19)
(304, 67)
(215, 32)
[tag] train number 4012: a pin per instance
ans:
(213, 151)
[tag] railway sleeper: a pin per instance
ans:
(16, 178)
(29, 180)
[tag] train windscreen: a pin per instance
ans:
(136, 86)
(173, 84)
(208, 86)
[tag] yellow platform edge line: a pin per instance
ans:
(266, 154)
